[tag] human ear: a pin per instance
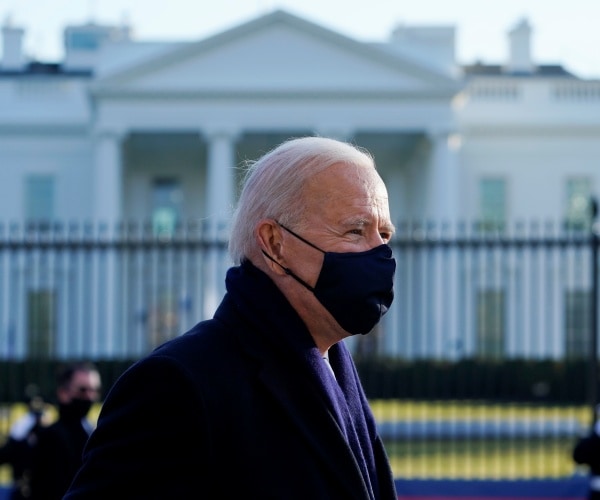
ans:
(270, 241)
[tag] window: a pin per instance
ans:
(163, 318)
(39, 198)
(578, 210)
(490, 324)
(41, 323)
(167, 200)
(492, 203)
(577, 323)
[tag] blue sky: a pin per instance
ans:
(566, 32)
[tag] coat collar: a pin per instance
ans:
(292, 369)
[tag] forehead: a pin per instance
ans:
(91, 378)
(344, 187)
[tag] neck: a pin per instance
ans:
(324, 330)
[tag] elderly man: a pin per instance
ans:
(263, 401)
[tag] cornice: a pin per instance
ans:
(529, 129)
(116, 92)
(47, 128)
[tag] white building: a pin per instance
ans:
(131, 130)
(120, 125)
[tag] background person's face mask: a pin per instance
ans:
(357, 288)
(76, 409)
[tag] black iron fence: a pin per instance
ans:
(492, 337)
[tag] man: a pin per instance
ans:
(57, 454)
(263, 401)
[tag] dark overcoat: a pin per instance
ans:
(56, 457)
(237, 408)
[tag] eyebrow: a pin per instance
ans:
(364, 222)
(356, 221)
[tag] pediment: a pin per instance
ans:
(276, 53)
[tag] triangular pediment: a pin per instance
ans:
(278, 53)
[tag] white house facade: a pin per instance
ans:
(193, 111)
(125, 130)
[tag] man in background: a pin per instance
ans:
(57, 454)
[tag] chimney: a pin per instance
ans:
(520, 49)
(12, 43)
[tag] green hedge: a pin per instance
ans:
(510, 380)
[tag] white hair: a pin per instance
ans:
(273, 186)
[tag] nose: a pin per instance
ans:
(380, 238)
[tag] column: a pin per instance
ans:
(219, 190)
(220, 177)
(442, 205)
(107, 178)
(107, 213)
(442, 184)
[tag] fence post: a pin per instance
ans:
(593, 361)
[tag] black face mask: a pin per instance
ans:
(357, 288)
(76, 409)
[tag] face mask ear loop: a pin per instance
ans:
(289, 272)
(300, 237)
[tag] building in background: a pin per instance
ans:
(130, 130)
(126, 130)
